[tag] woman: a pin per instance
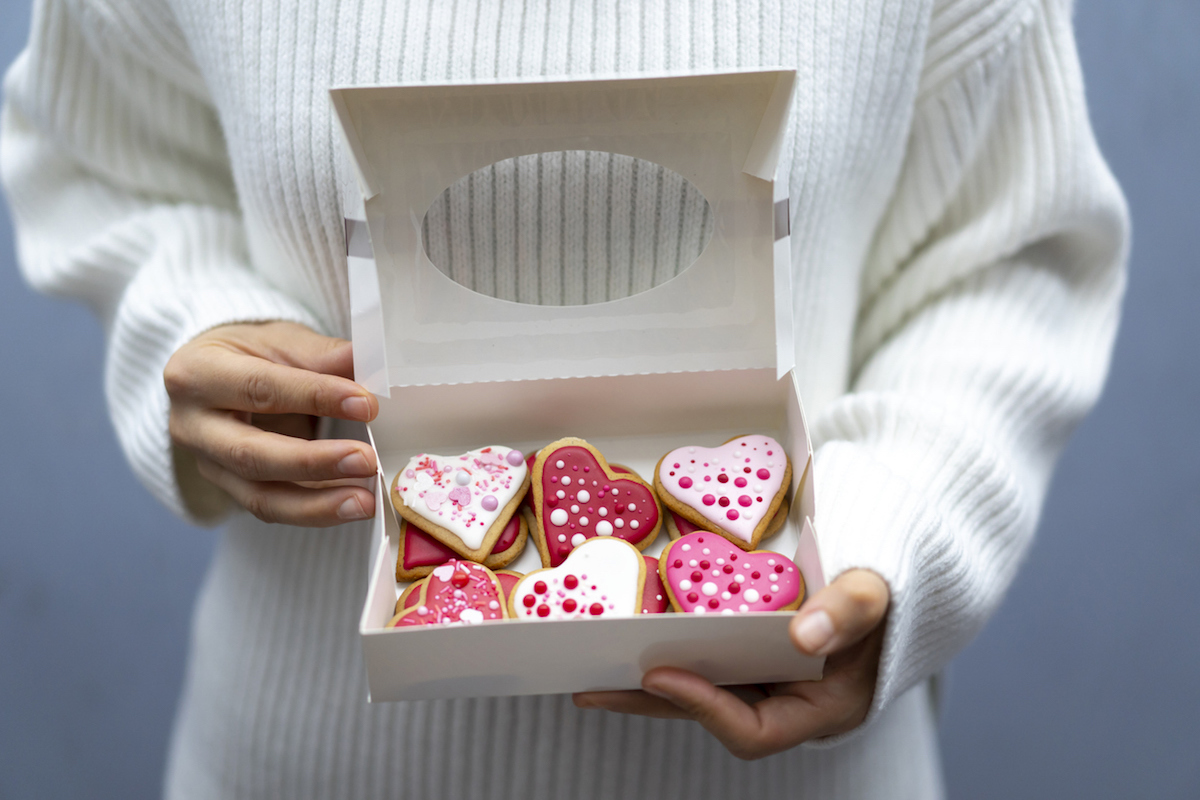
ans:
(958, 255)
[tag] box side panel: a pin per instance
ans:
(496, 659)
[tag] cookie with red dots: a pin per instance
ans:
(704, 573)
(418, 552)
(508, 579)
(734, 490)
(603, 577)
(677, 526)
(463, 501)
(578, 496)
(455, 593)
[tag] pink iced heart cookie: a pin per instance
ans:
(578, 496)
(455, 593)
(601, 578)
(706, 573)
(734, 490)
(462, 501)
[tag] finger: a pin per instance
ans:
(301, 426)
(631, 702)
(259, 455)
(841, 614)
(290, 504)
(299, 346)
(219, 378)
(747, 731)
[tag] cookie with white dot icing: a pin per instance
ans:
(734, 490)
(463, 501)
(707, 574)
(455, 593)
(577, 496)
(601, 578)
(677, 526)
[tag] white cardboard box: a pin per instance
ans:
(706, 356)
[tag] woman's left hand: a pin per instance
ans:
(843, 621)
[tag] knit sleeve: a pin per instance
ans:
(988, 311)
(122, 198)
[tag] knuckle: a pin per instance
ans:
(177, 376)
(259, 391)
(244, 460)
(258, 504)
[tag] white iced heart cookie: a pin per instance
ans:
(463, 501)
(733, 490)
(603, 577)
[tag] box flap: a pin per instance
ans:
(722, 132)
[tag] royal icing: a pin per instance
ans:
(598, 579)
(731, 486)
(455, 593)
(654, 595)
(507, 581)
(422, 550)
(580, 502)
(708, 573)
(463, 494)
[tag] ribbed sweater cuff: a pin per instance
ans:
(144, 338)
(940, 531)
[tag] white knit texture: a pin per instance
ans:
(958, 255)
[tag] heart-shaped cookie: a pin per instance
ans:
(654, 594)
(507, 578)
(707, 573)
(680, 526)
(463, 501)
(455, 593)
(578, 496)
(601, 578)
(734, 490)
(418, 552)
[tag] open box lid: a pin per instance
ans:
(731, 309)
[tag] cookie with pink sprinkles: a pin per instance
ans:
(734, 490)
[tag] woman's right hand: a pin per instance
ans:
(245, 399)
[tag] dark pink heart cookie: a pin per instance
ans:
(578, 496)
(704, 572)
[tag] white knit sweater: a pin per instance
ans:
(958, 248)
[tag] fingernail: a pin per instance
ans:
(657, 692)
(356, 408)
(351, 509)
(814, 632)
(355, 465)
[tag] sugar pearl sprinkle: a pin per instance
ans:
(732, 581)
(598, 579)
(717, 481)
(591, 504)
(456, 593)
(463, 494)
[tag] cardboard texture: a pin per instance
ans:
(696, 360)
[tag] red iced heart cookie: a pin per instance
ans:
(734, 490)
(455, 593)
(654, 594)
(707, 573)
(578, 496)
(603, 577)
(419, 552)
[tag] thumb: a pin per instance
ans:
(841, 614)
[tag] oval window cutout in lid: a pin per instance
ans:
(572, 227)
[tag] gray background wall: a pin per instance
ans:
(1084, 684)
